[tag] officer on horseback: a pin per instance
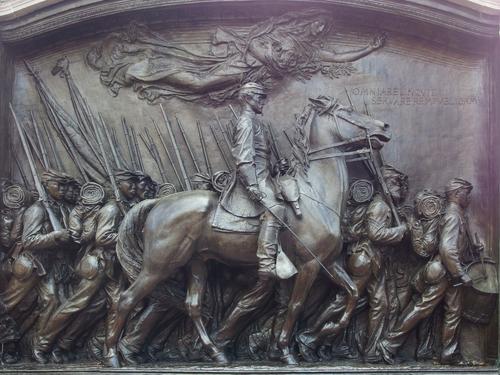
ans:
(252, 191)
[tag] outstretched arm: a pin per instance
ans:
(334, 57)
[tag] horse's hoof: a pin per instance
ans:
(289, 359)
(220, 358)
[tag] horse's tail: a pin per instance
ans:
(129, 244)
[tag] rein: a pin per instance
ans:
(342, 143)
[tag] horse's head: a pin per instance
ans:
(353, 129)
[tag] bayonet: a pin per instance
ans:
(126, 133)
(52, 147)
(107, 164)
(224, 135)
(140, 164)
(278, 155)
(176, 149)
(40, 142)
(56, 225)
(110, 142)
(169, 156)
(156, 155)
(219, 146)
(186, 141)
(204, 149)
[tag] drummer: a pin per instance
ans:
(445, 278)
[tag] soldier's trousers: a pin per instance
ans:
(379, 307)
(46, 289)
(423, 308)
(68, 311)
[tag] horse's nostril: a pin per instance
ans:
(386, 126)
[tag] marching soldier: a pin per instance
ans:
(33, 267)
(89, 269)
(373, 233)
(445, 275)
(98, 269)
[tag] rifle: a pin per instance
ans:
(204, 149)
(126, 133)
(40, 142)
(186, 141)
(169, 156)
(176, 149)
(224, 135)
(52, 147)
(385, 191)
(21, 172)
(110, 142)
(32, 144)
(156, 155)
(219, 146)
(140, 164)
(107, 164)
(274, 144)
(56, 225)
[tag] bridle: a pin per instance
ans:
(331, 108)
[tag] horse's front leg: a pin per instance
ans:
(303, 283)
(194, 303)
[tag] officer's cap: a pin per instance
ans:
(457, 183)
(253, 88)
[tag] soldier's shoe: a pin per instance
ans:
(58, 355)
(307, 347)
(9, 358)
(39, 356)
(127, 354)
(385, 354)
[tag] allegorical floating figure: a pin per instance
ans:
(288, 45)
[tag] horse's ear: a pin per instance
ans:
(320, 101)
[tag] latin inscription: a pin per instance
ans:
(411, 96)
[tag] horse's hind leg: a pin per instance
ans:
(194, 302)
(142, 287)
(303, 283)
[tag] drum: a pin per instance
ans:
(479, 301)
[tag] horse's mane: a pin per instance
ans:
(301, 146)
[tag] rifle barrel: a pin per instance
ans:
(188, 145)
(169, 156)
(40, 142)
(107, 164)
(126, 133)
(204, 149)
(156, 155)
(50, 141)
(56, 225)
(176, 149)
(110, 142)
(220, 147)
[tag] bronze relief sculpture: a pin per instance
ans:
(285, 254)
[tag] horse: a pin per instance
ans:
(177, 231)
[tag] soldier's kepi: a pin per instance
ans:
(253, 193)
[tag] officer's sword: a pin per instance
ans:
(296, 236)
(285, 225)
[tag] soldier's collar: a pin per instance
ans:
(456, 206)
(248, 112)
